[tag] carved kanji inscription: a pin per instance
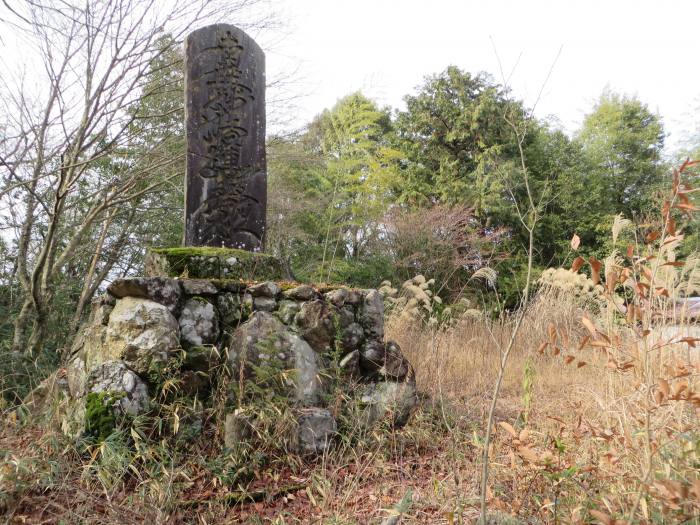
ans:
(226, 181)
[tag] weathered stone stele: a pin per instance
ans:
(226, 186)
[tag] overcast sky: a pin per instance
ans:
(384, 48)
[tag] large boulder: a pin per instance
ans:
(111, 392)
(140, 332)
(199, 323)
(161, 290)
(264, 340)
(389, 401)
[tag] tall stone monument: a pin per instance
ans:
(226, 182)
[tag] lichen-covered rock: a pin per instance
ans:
(395, 366)
(230, 309)
(112, 391)
(212, 263)
(286, 310)
(390, 401)
(372, 355)
(337, 297)
(264, 340)
(199, 323)
(102, 307)
(352, 337)
(266, 289)
(372, 316)
(384, 361)
(302, 292)
(265, 304)
(160, 290)
(198, 287)
(354, 297)
(237, 428)
(140, 332)
(319, 323)
(316, 430)
(129, 391)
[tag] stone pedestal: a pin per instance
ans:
(212, 263)
(292, 343)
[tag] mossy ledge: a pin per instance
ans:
(205, 262)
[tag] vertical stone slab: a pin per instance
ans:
(226, 182)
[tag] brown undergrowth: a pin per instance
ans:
(557, 456)
(597, 421)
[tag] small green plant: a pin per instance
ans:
(100, 419)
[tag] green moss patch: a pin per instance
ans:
(100, 420)
(205, 262)
(208, 251)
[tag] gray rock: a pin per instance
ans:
(247, 304)
(264, 340)
(316, 322)
(199, 323)
(390, 401)
(286, 310)
(230, 309)
(265, 304)
(384, 360)
(101, 308)
(198, 287)
(140, 332)
(266, 289)
(337, 297)
(353, 337)
(354, 297)
(346, 316)
(303, 292)
(372, 315)
(237, 428)
(162, 290)
(115, 377)
(396, 366)
(316, 429)
(372, 356)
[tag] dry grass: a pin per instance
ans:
(571, 440)
(567, 446)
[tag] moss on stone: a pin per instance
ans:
(208, 251)
(100, 420)
(205, 262)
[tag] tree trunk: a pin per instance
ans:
(38, 337)
(21, 325)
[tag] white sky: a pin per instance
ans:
(384, 48)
